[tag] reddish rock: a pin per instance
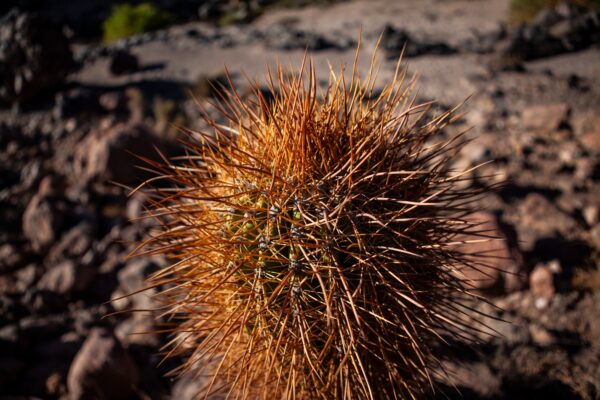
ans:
(108, 154)
(545, 117)
(102, 369)
(41, 224)
(498, 261)
(591, 138)
(540, 218)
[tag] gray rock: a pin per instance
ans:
(102, 369)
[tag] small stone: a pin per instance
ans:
(41, 224)
(113, 101)
(73, 244)
(66, 277)
(545, 118)
(42, 301)
(55, 384)
(590, 214)
(540, 335)
(10, 258)
(102, 369)
(34, 329)
(541, 282)
(540, 218)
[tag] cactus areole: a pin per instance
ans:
(311, 240)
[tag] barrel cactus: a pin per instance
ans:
(312, 242)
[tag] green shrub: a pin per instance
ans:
(126, 20)
(522, 11)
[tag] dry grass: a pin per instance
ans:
(312, 242)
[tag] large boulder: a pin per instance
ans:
(34, 57)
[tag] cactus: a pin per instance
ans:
(312, 242)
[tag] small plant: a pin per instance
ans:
(313, 242)
(126, 20)
(523, 11)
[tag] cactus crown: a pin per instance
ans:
(311, 239)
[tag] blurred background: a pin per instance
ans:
(82, 82)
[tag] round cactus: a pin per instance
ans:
(312, 242)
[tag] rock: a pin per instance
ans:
(44, 302)
(539, 219)
(187, 387)
(476, 377)
(207, 86)
(9, 334)
(554, 32)
(33, 329)
(590, 139)
(541, 336)
(55, 385)
(41, 222)
(123, 62)
(285, 37)
(496, 257)
(132, 279)
(541, 282)
(136, 105)
(73, 244)
(590, 214)
(104, 154)
(44, 216)
(545, 118)
(113, 101)
(10, 258)
(394, 41)
(75, 102)
(34, 57)
(66, 277)
(137, 331)
(102, 369)
(26, 277)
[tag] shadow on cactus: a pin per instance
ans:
(312, 240)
